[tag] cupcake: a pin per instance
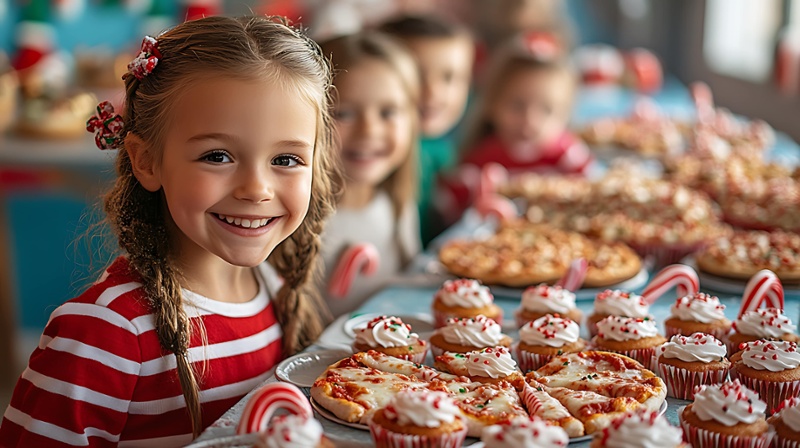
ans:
(294, 431)
(489, 365)
(545, 337)
(635, 337)
(771, 368)
(686, 362)
(766, 323)
(418, 418)
(390, 336)
(462, 335)
(697, 313)
(616, 303)
(464, 298)
(787, 424)
(725, 415)
(524, 433)
(545, 299)
(639, 428)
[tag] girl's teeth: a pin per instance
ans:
(237, 221)
(229, 219)
(246, 223)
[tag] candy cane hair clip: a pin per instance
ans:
(146, 61)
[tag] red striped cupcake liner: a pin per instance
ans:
(780, 442)
(720, 334)
(440, 318)
(681, 382)
(417, 358)
(771, 392)
(384, 438)
(531, 361)
(701, 438)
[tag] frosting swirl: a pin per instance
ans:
(728, 403)
(478, 332)
(421, 408)
(764, 323)
(550, 330)
(544, 298)
(641, 429)
(789, 412)
(621, 303)
(293, 431)
(524, 433)
(491, 362)
(697, 347)
(465, 293)
(775, 356)
(386, 332)
(618, 328)
(700, 307)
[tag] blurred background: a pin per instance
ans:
(58, 57)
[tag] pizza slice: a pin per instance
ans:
(542, 405)
(595, 411)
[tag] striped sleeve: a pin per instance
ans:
(78, 385)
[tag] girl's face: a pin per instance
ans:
(532, 108)
(375, 120)
(236, 169)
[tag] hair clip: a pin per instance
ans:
(147, 59)
(542, 45)
(107, 126)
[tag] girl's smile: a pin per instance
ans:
(247, 226)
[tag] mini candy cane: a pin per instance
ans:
(703, 101)
(765, 285)
(677, 275)
(360, 258)
(488, 202)
(530, 399)
(262, 405)
(573, 278)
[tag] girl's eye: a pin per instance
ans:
(288, 160)
(388, 112)
(218, 156)
(342, 114)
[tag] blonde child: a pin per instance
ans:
(377, 86)
(224, 161)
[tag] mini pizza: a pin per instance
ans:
(745, 253)
(595, 411)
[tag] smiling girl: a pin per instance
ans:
(377, 84)
(224, 161)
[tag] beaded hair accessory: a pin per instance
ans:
(147, 59)
(108, 127)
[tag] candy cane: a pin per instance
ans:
(765, 285)
(262, 405)
(360, 258)
(677, 275)
(573, 278)
(531, 401)
(488, 202)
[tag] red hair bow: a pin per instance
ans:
(147, 59)
(107, 126)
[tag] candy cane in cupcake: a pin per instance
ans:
(262, 406)
(764, 286)
(677, 275)
(361, 259)
(573, 278)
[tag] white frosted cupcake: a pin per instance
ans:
(634, 337)
(616, 303)
(787, 424)
(462, 335)
(697, 313)
(546, 337)
(418, 418)
(545, 299)
(464, 298)
(726, 415)
(391, 336)
(489, 365)
(524, 433)
(294, 431)
(686, 362)
(771, 368)
(766, 323)
(639, 428)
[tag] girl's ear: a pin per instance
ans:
(143, 162)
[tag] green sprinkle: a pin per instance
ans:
(539, 389)
(559, 352)
(480, 406)
(566, 363)
(462, 390)
(410, 348)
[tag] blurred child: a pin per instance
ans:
(445, 53)
(377, 86)
(224, 161)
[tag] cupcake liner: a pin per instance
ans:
(771, 392)
(720, 333)
(528, 361)
(384, 438)
(681, 382)
(780, 442)
(417, 358)
(702, 438)
(643, 355)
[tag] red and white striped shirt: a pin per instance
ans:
(100, 378)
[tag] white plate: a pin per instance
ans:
(631, 284)
(420, 323)
(304, 368)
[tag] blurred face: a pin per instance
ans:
(236, 169)
(532, 108)
(446, 67)
(375, 120)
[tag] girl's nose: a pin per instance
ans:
(369, 125)
(254, 186)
